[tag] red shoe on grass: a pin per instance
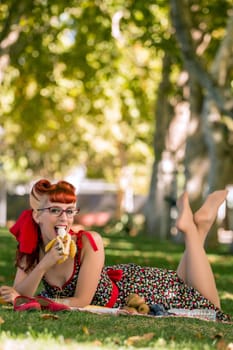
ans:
(23, 303)
(50, 305)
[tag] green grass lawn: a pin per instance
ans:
(79, 330)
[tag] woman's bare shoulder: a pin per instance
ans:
(96, 236)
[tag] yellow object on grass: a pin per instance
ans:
(2, 301)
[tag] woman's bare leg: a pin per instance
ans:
(206, 215)
(198, 270)
(204, 219)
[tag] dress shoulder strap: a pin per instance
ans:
(90, 238)
(79, 243)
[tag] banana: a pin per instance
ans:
(66, 243)
(50, 244)
(73, 249)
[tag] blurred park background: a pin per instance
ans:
(129, 100)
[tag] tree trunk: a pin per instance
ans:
(216, 169)
(3, 201)
(196, 154)
(157, 210)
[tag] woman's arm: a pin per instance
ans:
(92, 263)
(26, 283)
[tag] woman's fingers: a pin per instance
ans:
(8, 294)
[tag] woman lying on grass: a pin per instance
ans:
(83, 279)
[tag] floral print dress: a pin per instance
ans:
(157, 286)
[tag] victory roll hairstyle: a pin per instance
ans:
(62, 192)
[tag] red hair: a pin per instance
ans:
(62, 192)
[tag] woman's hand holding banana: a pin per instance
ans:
(65, 244)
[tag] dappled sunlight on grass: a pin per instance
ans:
(146, 254)
(5, 232)
(142, 250)
(213, 258)
(121, 244)
(226, 299)
(222, 259)
(117, 252)
(150, 258)
(46, 341)
(145, 341)
(154, 249)
(226, 295)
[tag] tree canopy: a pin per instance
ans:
(107, 83)
(77, 88)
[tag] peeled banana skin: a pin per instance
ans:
(50, 244)
(73, 249)
(67, 244)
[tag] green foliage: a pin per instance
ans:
(79, 81)
(71, 84)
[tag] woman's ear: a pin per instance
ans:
(35, 215)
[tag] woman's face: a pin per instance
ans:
(49, 218)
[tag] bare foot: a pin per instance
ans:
(206, 215)
(184, 221)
